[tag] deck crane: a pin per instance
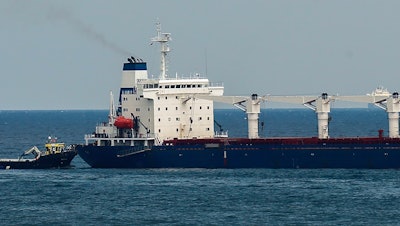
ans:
(319, 104)
(219, 126)
(390, 103)
(251, 105)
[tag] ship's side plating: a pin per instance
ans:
(252, 153)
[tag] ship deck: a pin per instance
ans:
(285, 141)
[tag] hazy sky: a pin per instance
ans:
(69, 54)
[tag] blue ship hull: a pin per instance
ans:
(344, 153)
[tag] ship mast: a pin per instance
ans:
(163, 39)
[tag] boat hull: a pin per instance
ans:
(368, 154)
(56, 160)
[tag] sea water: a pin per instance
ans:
(85, 196)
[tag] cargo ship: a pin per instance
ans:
(55, 155)
(168, 122)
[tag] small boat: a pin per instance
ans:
(55, 155)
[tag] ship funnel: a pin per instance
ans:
(132, 72)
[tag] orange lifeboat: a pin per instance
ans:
(123, 123)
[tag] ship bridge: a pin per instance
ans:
(152, 88)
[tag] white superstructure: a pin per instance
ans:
(165, 108)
